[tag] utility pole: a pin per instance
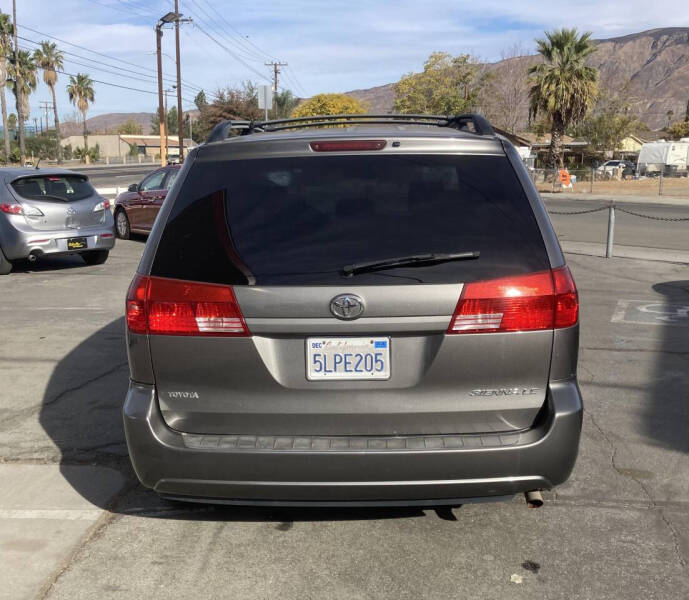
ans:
(162, 117)
(180, 118)
(18, 83)
(276, 70)
(47, 106)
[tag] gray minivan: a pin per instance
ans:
(373, 313)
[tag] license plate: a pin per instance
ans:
(348, 358)
(76, 243)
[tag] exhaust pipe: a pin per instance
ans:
(533, 499)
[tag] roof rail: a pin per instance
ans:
(470, 122)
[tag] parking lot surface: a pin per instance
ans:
(74, 522)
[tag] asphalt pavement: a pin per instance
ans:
(75, 524)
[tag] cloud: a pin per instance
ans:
(331, 46)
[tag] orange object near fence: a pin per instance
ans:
(565, 178)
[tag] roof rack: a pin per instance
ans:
(470, 122)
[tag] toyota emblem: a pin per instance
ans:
(347, 307)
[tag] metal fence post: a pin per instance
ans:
(660, 184)
(593, 174)
(611, 231)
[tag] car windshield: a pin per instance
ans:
(65, 188)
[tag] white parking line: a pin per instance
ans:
(53, 514)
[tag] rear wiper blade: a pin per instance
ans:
(407, 261)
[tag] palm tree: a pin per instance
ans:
(6, 31)
(50, 60)
(80, 92)
(562, 86)
(26, 70)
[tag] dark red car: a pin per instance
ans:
(137, 208)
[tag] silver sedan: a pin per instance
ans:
(52, 211)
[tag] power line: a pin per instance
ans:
(255, 71)
(113, 58)
(245, 40)
(209, 22)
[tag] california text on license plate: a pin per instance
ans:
(348, 358)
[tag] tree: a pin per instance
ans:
(607, 126)
(6, 32)
(171, 121)
(229, 103)
(80, 92)
(285, 103)
(329, 104)
(505, 96)
(447, 86)
(50, 60)
(563, 86)
(200, 100)
(678, 130)
(130, 127)
(686, 114)
(24, 72)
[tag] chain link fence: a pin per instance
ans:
(611, 181)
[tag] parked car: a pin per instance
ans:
(52, 211)
(609, 167)
(376, 315)
(137, 208)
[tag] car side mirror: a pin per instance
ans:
(134, 187)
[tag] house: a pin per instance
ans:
(631, 145)
(149, 145)
(572, 149)
(117, 146)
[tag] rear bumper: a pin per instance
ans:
(20, 243)
(282, 470)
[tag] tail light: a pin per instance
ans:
(543, 300)
(20, 209)
(160, 306)
(103, 205)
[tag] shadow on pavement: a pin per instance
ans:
(667, 420)
(82, 414)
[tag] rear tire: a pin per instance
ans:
(124, 230)
(95, 257)
(5, 265)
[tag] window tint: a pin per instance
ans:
(66, 188)
(300, 220)
(153, 182)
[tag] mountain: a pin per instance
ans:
(107, 123)
(649, 69)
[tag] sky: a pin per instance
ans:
(330, 46)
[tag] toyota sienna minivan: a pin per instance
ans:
(372, 311)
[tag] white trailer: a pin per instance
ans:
(667, 157)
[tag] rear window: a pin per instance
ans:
(300, 220)
(63, 188)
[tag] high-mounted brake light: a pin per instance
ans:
(161, 306)
(347, 145)
(532, 302)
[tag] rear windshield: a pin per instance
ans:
(300, 220)
(63, 188)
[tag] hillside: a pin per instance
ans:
(107, 123)
(650, 68)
